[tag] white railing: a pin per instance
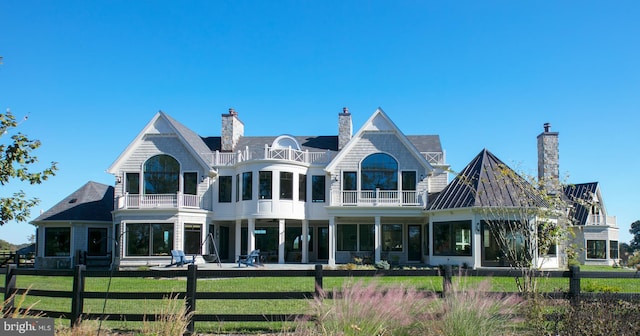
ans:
(601, 220)
(159, 201)
(375, 198)
(228, 159)
(434, 157)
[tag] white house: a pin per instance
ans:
(377, 194)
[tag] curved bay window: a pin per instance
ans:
(379, 171)
(161, 175)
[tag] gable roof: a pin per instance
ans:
(486, 182)
(581, 195)
(193, 142)
(92, 202)
(379, 121)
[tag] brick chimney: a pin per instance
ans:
(232, 130)
(345, 128)
(549, 160)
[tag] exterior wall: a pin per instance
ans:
(595, 232)
(78, 242)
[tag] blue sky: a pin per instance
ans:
(91, 74)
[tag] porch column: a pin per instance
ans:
(377, 239)
(251, 236)
(305, 241)
(238, 241)
(281, 240)
(332, 241)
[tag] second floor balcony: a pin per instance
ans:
(600, 219)
(158, 201)
(377, 198)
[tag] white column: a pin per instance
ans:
(332, 241)
(238, 240)
(305, 241)
(377, 240)
(251, 236)
(281, 226)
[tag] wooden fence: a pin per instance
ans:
(192, 296)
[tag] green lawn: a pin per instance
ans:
(284, 284)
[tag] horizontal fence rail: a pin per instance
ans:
(191, 295)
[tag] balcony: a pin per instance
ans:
(218, 158)
(601, 220)
(158, 201)
(376, 198)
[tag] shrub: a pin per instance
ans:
(382, 264)
(598, 287)
(603, 316)
(371, 309)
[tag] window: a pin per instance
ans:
(613, 249)
(224, 189)
(346, 235)
(318, 188)
(192, 238)
(132, 183)
(144, 239)
(265, 184)
(302, 188)
(190, 183)
(596, 249)
(57, 242)
(247, 178)
(367, 234)
(408, 180)
(452, 238)
(97, 243)
(286, 185)
(349, 181)
(379, 171)
(237, 187)
(392, 237)
(161, 175)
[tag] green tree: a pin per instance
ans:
(16, 159)
(635, 231)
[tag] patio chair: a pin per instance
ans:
(180, 258)
(251, 259)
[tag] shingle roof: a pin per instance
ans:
(315, 143)
(580, 195)
(486, 182)
(92, 202)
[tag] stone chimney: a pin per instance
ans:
(549, 160)
(345, 128)
(232, 130)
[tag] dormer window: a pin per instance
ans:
(285, 141)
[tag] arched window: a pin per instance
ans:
(379, 171)
(161, 175)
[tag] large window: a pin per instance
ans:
(302, 188)
(97, 243)
(452, 238)
(247, 186)
(57, 242)
(144, 239)
(596, 249)
(286, 185)
(132, 183)
(265, 183)
(190, 183)
(379, 171)
(161, 175)
(318, 188)
(224, 189)
(347, 237)
(192, 238)
(392, 237)
(613, 249)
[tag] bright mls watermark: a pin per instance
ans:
(27, 327)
